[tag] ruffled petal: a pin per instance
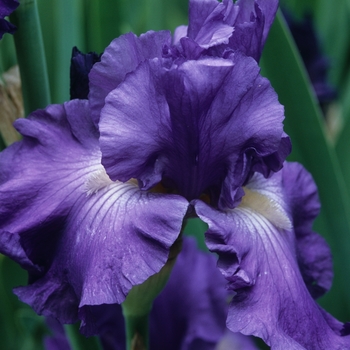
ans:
(220, 26)
(209, 22)
(84, 239)
(122, 56)
(189, 313)
(313, 253)
(113, 239)
(198, 127)
(260, 256)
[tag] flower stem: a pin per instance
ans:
(136, 332)
(138, 303)
(79, 342)
(31, 56)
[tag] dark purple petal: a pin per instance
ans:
(252, 26)
(258, 255)
(6, 8)
(200, 127)
(89, 239)
(189, 313)
(316, 63)
(220, 26)
(80, 67)
(122, 56)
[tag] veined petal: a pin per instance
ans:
(122, 56)
(261, 261)
(113, 239)
(89, 239)
(198, 127)
(188, 314)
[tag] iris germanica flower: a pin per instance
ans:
(97, 192)
(6, 8)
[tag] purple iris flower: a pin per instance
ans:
(97, 192)
(6, 8)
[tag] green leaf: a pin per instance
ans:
(79, 342)
(196, 228)
(31, 56)
(63, 28)
(20, 327)
(334, 26)
(281, 63)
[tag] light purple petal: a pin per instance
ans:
(258, 256)
(122, 56)
(208, 22)
(87, 239)
(112, 240)
(314, 256)
(189, 314)
(199, 127)
(221, 26)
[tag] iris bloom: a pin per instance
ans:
(6, 8)
(97, 192)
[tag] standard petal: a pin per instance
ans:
(258, 255)
(208, 22)
(252, 26)
(220, 26)
(199, 127)
(122, 56)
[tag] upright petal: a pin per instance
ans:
(88, 239)
(122, 56)
(209, 22)
(220, 26)
(260, 256)
(200, 127)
